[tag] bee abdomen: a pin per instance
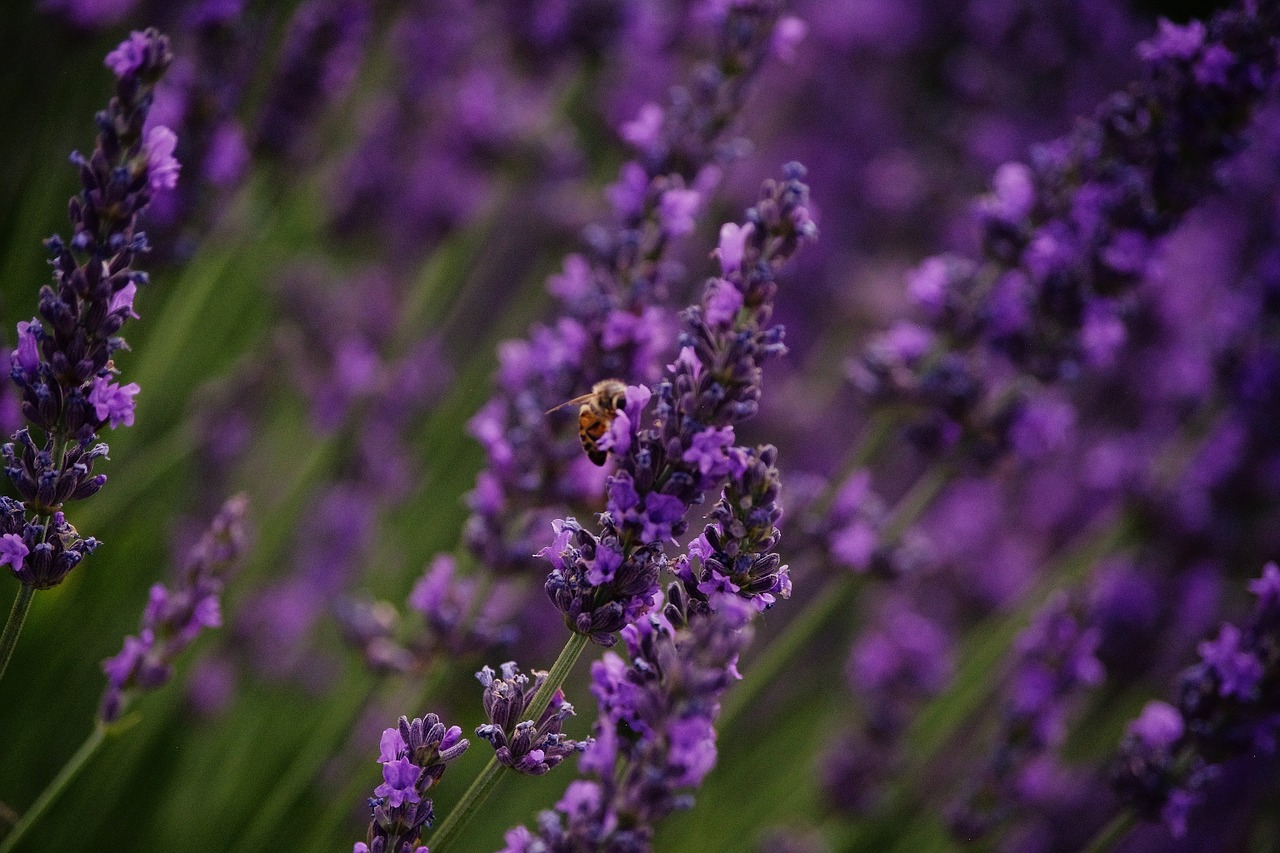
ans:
(590, 430)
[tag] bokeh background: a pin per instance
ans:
(373, 196)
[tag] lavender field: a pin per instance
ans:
(626, 425)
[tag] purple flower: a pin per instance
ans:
(733, 242)
(1013, 196)
(1175, 811)
(1238, 670)
(112, 402)
(174, 617)
(692, 435)
(692, 750)
(1159, 725)
(574, 283)
(527, 746)
(400, 779)
(709, 451)
(1173, 41)
(1056, 662)
(627, 194)
(122, 301)
(63, 366)
(1226, 707)
(677, 209)
(413, 760)
(27, 356)
(655, 736)
(391, 745)
(1267, 587)
(162, 166)
(787, 36)
(13, 551)
(1214, 65)
(619, 307)
(723, 304)
(927, 285)
(1067, 236)
(127, 663)
(645, 130)
(130, 55)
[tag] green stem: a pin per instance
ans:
(484, 784)
(56, 787)
(13, 627)
(1108, 836)
(559, 672)
(470, 803)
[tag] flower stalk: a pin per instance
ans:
(485, 783)
(13, 625)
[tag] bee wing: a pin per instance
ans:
(576, 401)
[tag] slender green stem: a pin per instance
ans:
(559, 672)
(13, 627)
(1109, 835)
(484, 784)
(471, 801)
(55, 788)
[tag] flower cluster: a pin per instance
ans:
(62, 365)
(526, 746)
(1228, 705)
(1066, 238)
(174, 617)
(615, 319)
(602, 582)
(655, 738)
(1105, 445)
(736, 553)
(414, 756)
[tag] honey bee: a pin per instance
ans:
(598, 409)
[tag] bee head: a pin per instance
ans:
(612, 394)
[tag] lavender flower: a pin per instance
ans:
(655, 737)
(1066, 238)
(62, 365)
(201, 99)
(1228, 705)
(174, 617)
(523, 745)
(615, 322)
(736, 552)
(414, 756)
(602, 582)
